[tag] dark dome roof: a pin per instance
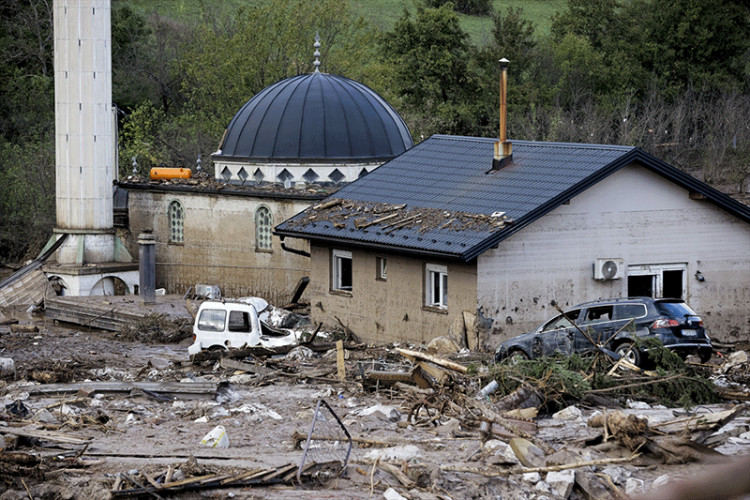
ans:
(316, 117)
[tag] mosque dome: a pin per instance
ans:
(312, 118)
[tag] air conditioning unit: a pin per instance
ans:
(608, 269)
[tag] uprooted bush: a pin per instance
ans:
(157, 329)
(564, 380)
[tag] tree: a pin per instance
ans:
(429, 57)
(468, 7)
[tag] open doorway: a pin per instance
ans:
(658, 281)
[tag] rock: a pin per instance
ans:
(617, 474)
(406, 452)
(509, 456)
(561, 482)
(542, 487)
(442, 345)
(661, 481)
(389, 412)
(634, 486)
(638, 405)
(44, 416)
(159, 363)
(391, 494)
(300, 353)
(219, 412)
(569, 413)
(738, 357)
(532, 477)
(7, 366)
(493, 445)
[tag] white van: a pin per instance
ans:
(232, 324)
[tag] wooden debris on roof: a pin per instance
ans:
(394, 217)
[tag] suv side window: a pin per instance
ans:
(599, 314)
(627, 311)
(561, 321)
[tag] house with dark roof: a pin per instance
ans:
(452, 238)
(291, 145)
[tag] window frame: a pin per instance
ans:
(260, 230)
(176, 222)
(337, 258)
(431, 271)
(381, 268)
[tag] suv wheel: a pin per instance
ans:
(629, 352)
(516, 356)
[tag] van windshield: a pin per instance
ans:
(212, 320)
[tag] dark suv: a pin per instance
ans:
(614, 324)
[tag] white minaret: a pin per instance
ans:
(84, 142)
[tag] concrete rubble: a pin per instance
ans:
(88, 413)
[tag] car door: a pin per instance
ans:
(557, 335)
(598, 323)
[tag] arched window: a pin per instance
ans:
(176, 222)
(263, 225)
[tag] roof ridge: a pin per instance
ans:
(571, 145)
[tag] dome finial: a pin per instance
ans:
(317, 52)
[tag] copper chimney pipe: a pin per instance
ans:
(503, 148)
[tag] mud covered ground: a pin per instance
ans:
(431, 436)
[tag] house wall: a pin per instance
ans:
(219, 244)
(388, 311)
(634, 215)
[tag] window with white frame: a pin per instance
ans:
(436, 286)
(658, 280)
(263, 225)
(341, 267)
(381, 271)
(176, 222)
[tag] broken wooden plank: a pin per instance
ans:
(365, 224)
(40, 434)
(388, 376)
(440, 375)
(328, 204)
(432, 359)
(340, 364)
(396, 472)
(191, 388)
(232, 364)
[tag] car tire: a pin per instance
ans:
(705, 356)
(629, 352)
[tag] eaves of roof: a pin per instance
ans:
(224, 190)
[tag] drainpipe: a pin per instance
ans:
(147, 266)
(294, 250)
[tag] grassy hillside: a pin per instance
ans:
(380, 13)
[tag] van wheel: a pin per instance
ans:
(217, 347)
(705, 356)
(628, 351)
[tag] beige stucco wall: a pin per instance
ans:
(388, 311)
(634, 215)
(219, 244)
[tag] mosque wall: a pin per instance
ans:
(219, 240)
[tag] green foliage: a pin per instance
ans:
(565, 380)
(469, 7)
(429, 57)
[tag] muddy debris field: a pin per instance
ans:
(87, 413)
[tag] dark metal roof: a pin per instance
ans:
(453, 174)
(316, 117)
